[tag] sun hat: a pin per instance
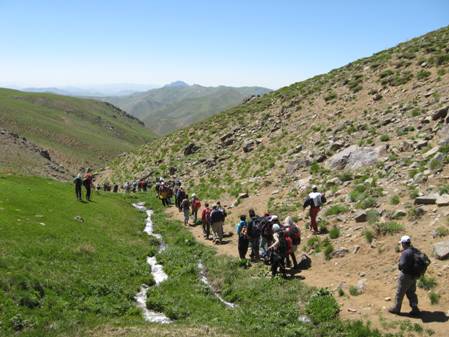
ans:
(276, 228)
(405, 239)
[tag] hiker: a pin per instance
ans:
(88, 183)
(412, 264)
(78, 181)
(254, 234)
(185, 206)
(181, 196)
(196, 205)
(278, 251)
(293, 233)
(164, 194)
(217, 218)
(242, 232)
(115, 189)
(222, 210)
(266, 233)
(315, 200)
(127, 187)
(205, 220)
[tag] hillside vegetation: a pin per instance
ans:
(373, 135)
(179, 105)
(75, 132)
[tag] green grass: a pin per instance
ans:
(395, 200)
(354, 291)
(334, 233)
(336, 209)
(441, 231)
(389, 228)
(58, 275)
(426, 282)
(368, 235)
(434, 297)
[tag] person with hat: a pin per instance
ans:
(278, 251)
(217, 222)
(315, 200)
(267, 234)
(196, 205)
(407, 278)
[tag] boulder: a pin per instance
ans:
(340, 252)
(355, 157)
(360, 216)
(302, 184)
(443, 200)
(441, 250)
(426, 200)
(191, 149)
(431, 152)
(444, 136)
(45, 154)
(400, 213)
(439, 113)
(295, 165)
(249, 146)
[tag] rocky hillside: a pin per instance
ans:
(40, 130)
(373, 135)
(178, 104)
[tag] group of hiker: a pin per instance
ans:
(83, 178)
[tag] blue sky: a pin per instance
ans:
(233, 42)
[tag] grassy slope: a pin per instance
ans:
(76, 131)
(166, 109)
(57, 275)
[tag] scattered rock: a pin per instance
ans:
(356, 249)
(443, 200)
(304, 319)
(441, 250)
(361, 285)
(191, 149)
(340, 252)
(249, 146)
(400, 213)
(440, 113)
(45, 154)
(360, 216)
(388, 299)
(79, 219)
(426, 200)
(431, 152)
(355, 157)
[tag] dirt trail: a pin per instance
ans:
(378, 271)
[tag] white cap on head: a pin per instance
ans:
(273, 217)
(405, 239)
(314, 187)
(193, 195)
(276, 228)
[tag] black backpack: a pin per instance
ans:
(266, 228)
(282, 248)
(254, 229)
(295, 235)
(420, 262)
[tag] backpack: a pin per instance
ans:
(254, 227)
(420, 262)
(266, 228)
(196, 204)
(295, 235)
(316, 200)
(282, 248)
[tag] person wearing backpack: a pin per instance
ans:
(294, 234)
(279, 250)
(185, 206)
(78, 181)
(315, 200)
(88, 183)
(196, 205)
(242, 232)
(254, 234)
(217, 218)
(205, 220)
(266, 234)
(412, 265)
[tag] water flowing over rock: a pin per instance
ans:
(355, 157)
(157, 271)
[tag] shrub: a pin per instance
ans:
(423, 75)
(368, 202)
(444, 189)
(345, 176)
(434, 298)
(435, 164)
(322, 307)
(334, 232)
(369, 235)
(354, 291)
(441, 231)
(389, 228)
(395, 200)
(372, 216)
(336, 209)
(328, 249)
(426, 282)
(384, 138)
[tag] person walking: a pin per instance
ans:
(88, 183)
(266, 234)
(278, 251)
(217, 218)
(185, 207)
(205, 220)
(315, 200)
(196, 205)
(294, 233)
(78, 181)
(412, 264)
(254, 234)
(242, 232)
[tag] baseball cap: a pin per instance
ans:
(405, 239)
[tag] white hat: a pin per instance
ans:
(314, 187)
(273, 217)
(405, 239)
(193, 195)
(276, 228)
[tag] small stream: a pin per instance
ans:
(157, 271)
(203, 278)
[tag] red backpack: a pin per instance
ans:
(196, 204)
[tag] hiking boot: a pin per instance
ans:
(415, 312)
(394, 311)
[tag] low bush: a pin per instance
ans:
(426, 282)
(441, 231)
(395, 200)
(354, 291)
(336, 209)
(322, 307)
(389, 228)
(434, 298)
(369, 235)
(334, 232)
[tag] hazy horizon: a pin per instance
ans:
(233, 43)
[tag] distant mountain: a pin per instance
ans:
(56, 135)
(178, 104)
(92, 91)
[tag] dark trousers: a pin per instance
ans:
(277, 262)
(165, 202)
(206, 228)
(88, 192)
(255, 246)
(406, 287)
(79, 196)
(243, 247)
